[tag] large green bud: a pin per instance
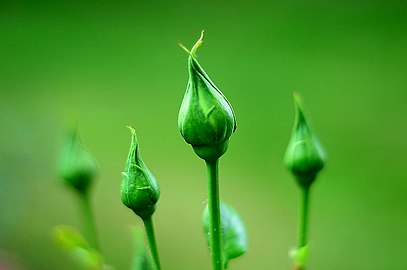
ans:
(78, 167)
(304, 156)
(206, 119)
(139, 189)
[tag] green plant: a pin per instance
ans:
(304, 157)
(78, 169)
(140, 193)
(206, 121)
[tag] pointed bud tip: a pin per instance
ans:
(298, 102)
(296, 97)
(132, 129)
(184, 48)
(192, 53)
(197, 44)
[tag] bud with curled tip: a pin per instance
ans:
(304, 155)
(139, 189)
(206, 119)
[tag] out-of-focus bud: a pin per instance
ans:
(139, 189)
(304, 156)
(78, 167)
(206, 119)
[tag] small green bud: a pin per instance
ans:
(206, 119)
(78, 167)
(304, 156)
(139, 189)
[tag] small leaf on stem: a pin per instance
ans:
(299, 257)
(141, 259)
(234, 234)
(75, 243)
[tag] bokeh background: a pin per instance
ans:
(106, 64)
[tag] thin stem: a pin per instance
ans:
(88, 220)
(149, 227)
(215, 232)
(303, 224)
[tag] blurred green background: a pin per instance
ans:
(106, 64)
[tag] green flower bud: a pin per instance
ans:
(139, 189)
(78, 167)
(206, 119)
(304, 155)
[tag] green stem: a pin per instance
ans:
(215, 232)
(149, 227)
(303, 224)
(88, 220)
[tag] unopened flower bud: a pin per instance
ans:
(139, 189)
(304, 156)
(206, 119)
(78, 167)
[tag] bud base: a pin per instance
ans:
(211, 152)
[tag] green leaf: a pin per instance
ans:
(141, 258)
(300, 256)
(234, 234)
(73, 241)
